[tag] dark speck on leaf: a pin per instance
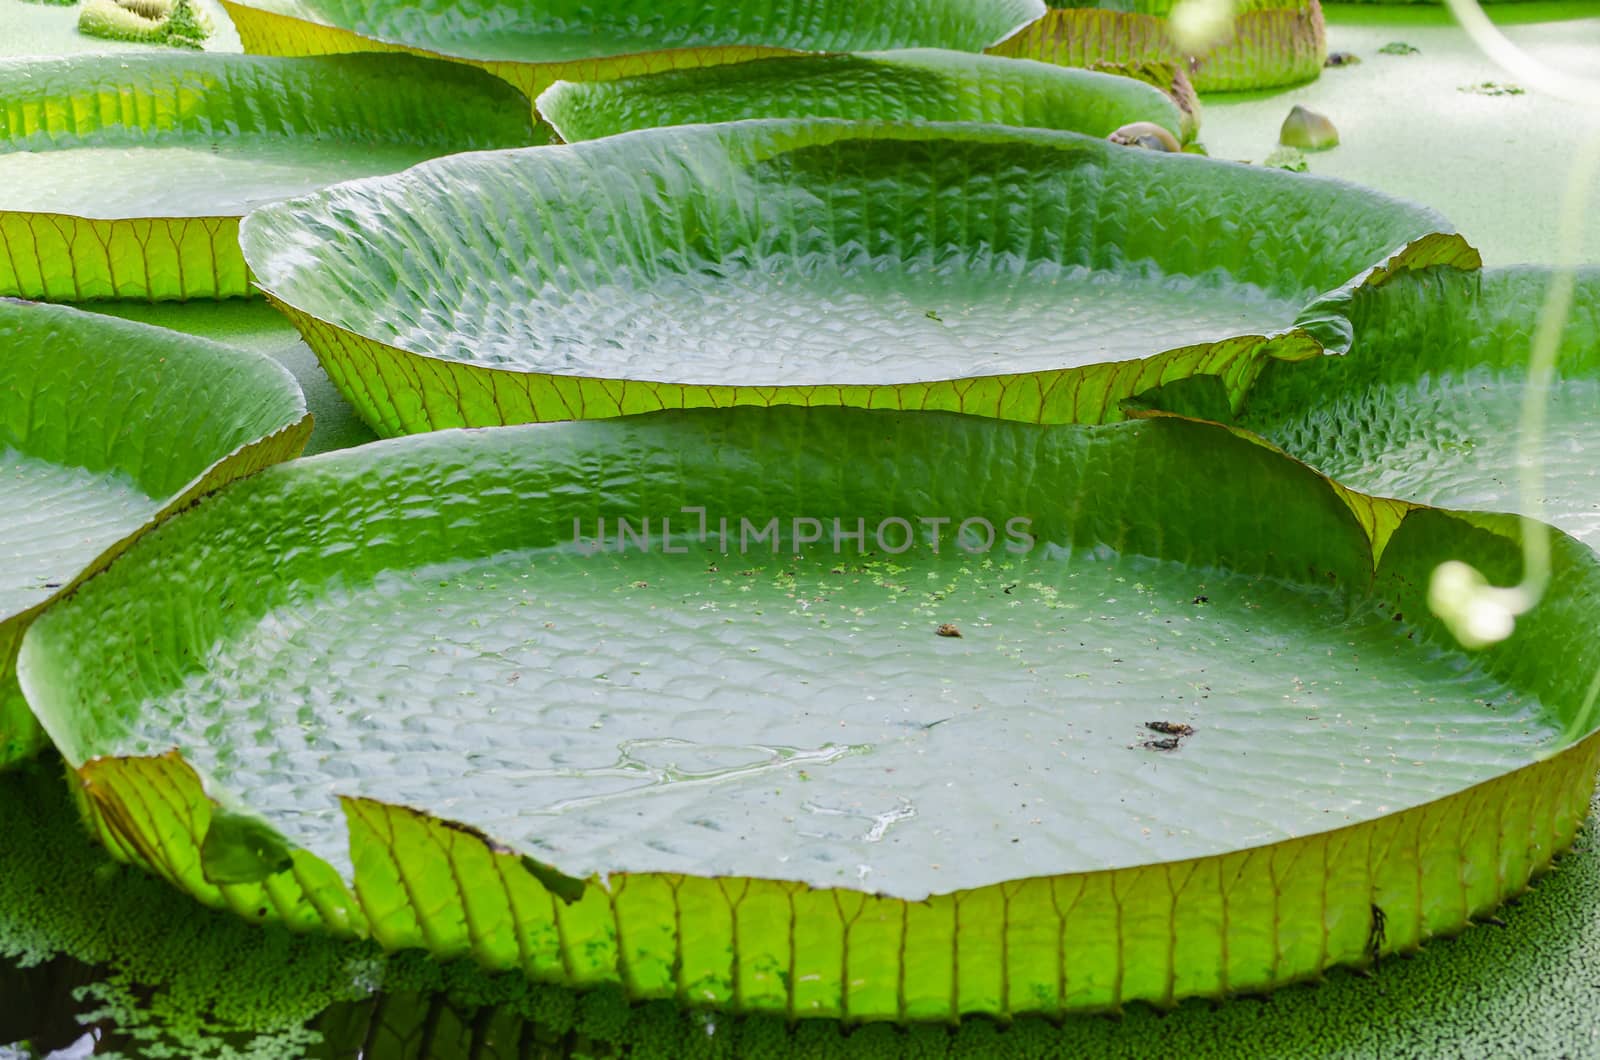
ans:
(1342, 59)
(1169, 744)
(1202, 599)
(1377, 935)
(1170, 728)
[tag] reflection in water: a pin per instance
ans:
(38, 1012)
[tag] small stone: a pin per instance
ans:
(1145, 134)
(1308, 130)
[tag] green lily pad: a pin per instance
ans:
(126, 179)
(1023, 274)
(749, 771)
(106, 428)
(1427, 404)
(533, 45)
(1273, 42)
(252, 324)
(916, 85)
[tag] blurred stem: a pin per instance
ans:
(1468, 601)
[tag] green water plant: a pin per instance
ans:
(1264, 44)
(106, 199)
(1428, 401)
(345, 699)
(106, 428)
(1291, 158)
(914, 85)
(1033, 275)
(546, 41)
(209, 986)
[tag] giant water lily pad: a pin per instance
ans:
(1428, 402)
(1271, 43)
(912, 85)
(838, 732)
(126, 179)
(105, 428)
(533, 45)
(1024, 274)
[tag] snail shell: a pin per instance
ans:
(1145, 134)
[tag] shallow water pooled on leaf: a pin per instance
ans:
(802, 718)
(224, 178)
(1454, 442)
(875, 324)
(57, 520)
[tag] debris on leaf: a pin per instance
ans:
(1377, 935)
(1291, 158)
(1335, 59)
(948, 630)
(177, 23)
(1145, 134)
(1493, 88)
(1308, 130)
(1170, 728)
(1169, 744)
(1398, 47)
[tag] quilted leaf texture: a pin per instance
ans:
(537, 44)
(915, 85)
(1273, 43)
(1429, 401)
(1024, 274)
(106, 428)
(127, 180)
(802, 800)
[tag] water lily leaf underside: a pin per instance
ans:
(1032, 275)
(1428, 403)
(780, 781)
(541, 43)
(128, 179)
(106, 428)
(1272, 43)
